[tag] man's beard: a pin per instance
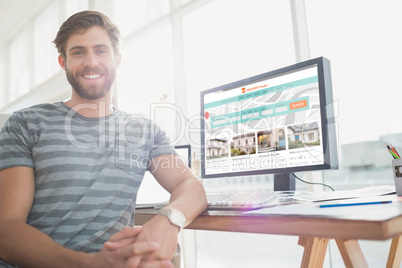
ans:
(93, 92)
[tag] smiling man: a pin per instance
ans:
(90, 63)
(70, 171)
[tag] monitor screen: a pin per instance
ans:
(278, 122)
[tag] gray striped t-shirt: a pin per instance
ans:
(87, 170)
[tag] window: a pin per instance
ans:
(281, 135)
(19, 65)
(145, 82)
(365, 65)
(225, 41)
(74, 6)
(45, 27)
(135, 14)
(311, 136)
(3, 91)
(365, 61)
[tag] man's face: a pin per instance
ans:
(90, 63)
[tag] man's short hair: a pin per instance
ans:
(82, 21)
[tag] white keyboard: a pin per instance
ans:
(237, 200)
(242, 200)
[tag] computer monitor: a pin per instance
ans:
(184, 153)
(279, 122)
(151, 192)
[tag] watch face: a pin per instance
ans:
(177, 218)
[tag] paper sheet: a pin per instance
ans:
(345, 194)
(313, 208)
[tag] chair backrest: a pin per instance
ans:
(3, 119)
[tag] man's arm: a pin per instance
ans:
(187, 196)
(187, 192)
(25, 246)
(20, 243)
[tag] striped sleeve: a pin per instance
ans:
(15, 144)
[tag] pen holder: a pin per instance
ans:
(397, 171)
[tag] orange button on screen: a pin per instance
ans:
(298, 104)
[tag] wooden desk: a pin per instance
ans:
(381, 222)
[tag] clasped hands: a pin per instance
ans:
(150, 246)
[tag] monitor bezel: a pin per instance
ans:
(188, 148)
(329, 138)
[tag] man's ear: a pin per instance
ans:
(62, 62)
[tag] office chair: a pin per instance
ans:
(3, 119)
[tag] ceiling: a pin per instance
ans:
(14, 15)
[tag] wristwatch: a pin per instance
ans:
(175, 216)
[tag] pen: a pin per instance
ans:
(354, 204)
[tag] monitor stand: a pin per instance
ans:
(284, 182)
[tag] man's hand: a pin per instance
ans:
(122, 250)
(160, 230)
(187, 196)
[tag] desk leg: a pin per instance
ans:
(351, 252)
(314, 251)
(395, 253)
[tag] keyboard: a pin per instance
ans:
(235, 200)
(242, 200)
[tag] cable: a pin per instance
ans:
(317, 183)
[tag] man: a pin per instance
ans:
(70, 171)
